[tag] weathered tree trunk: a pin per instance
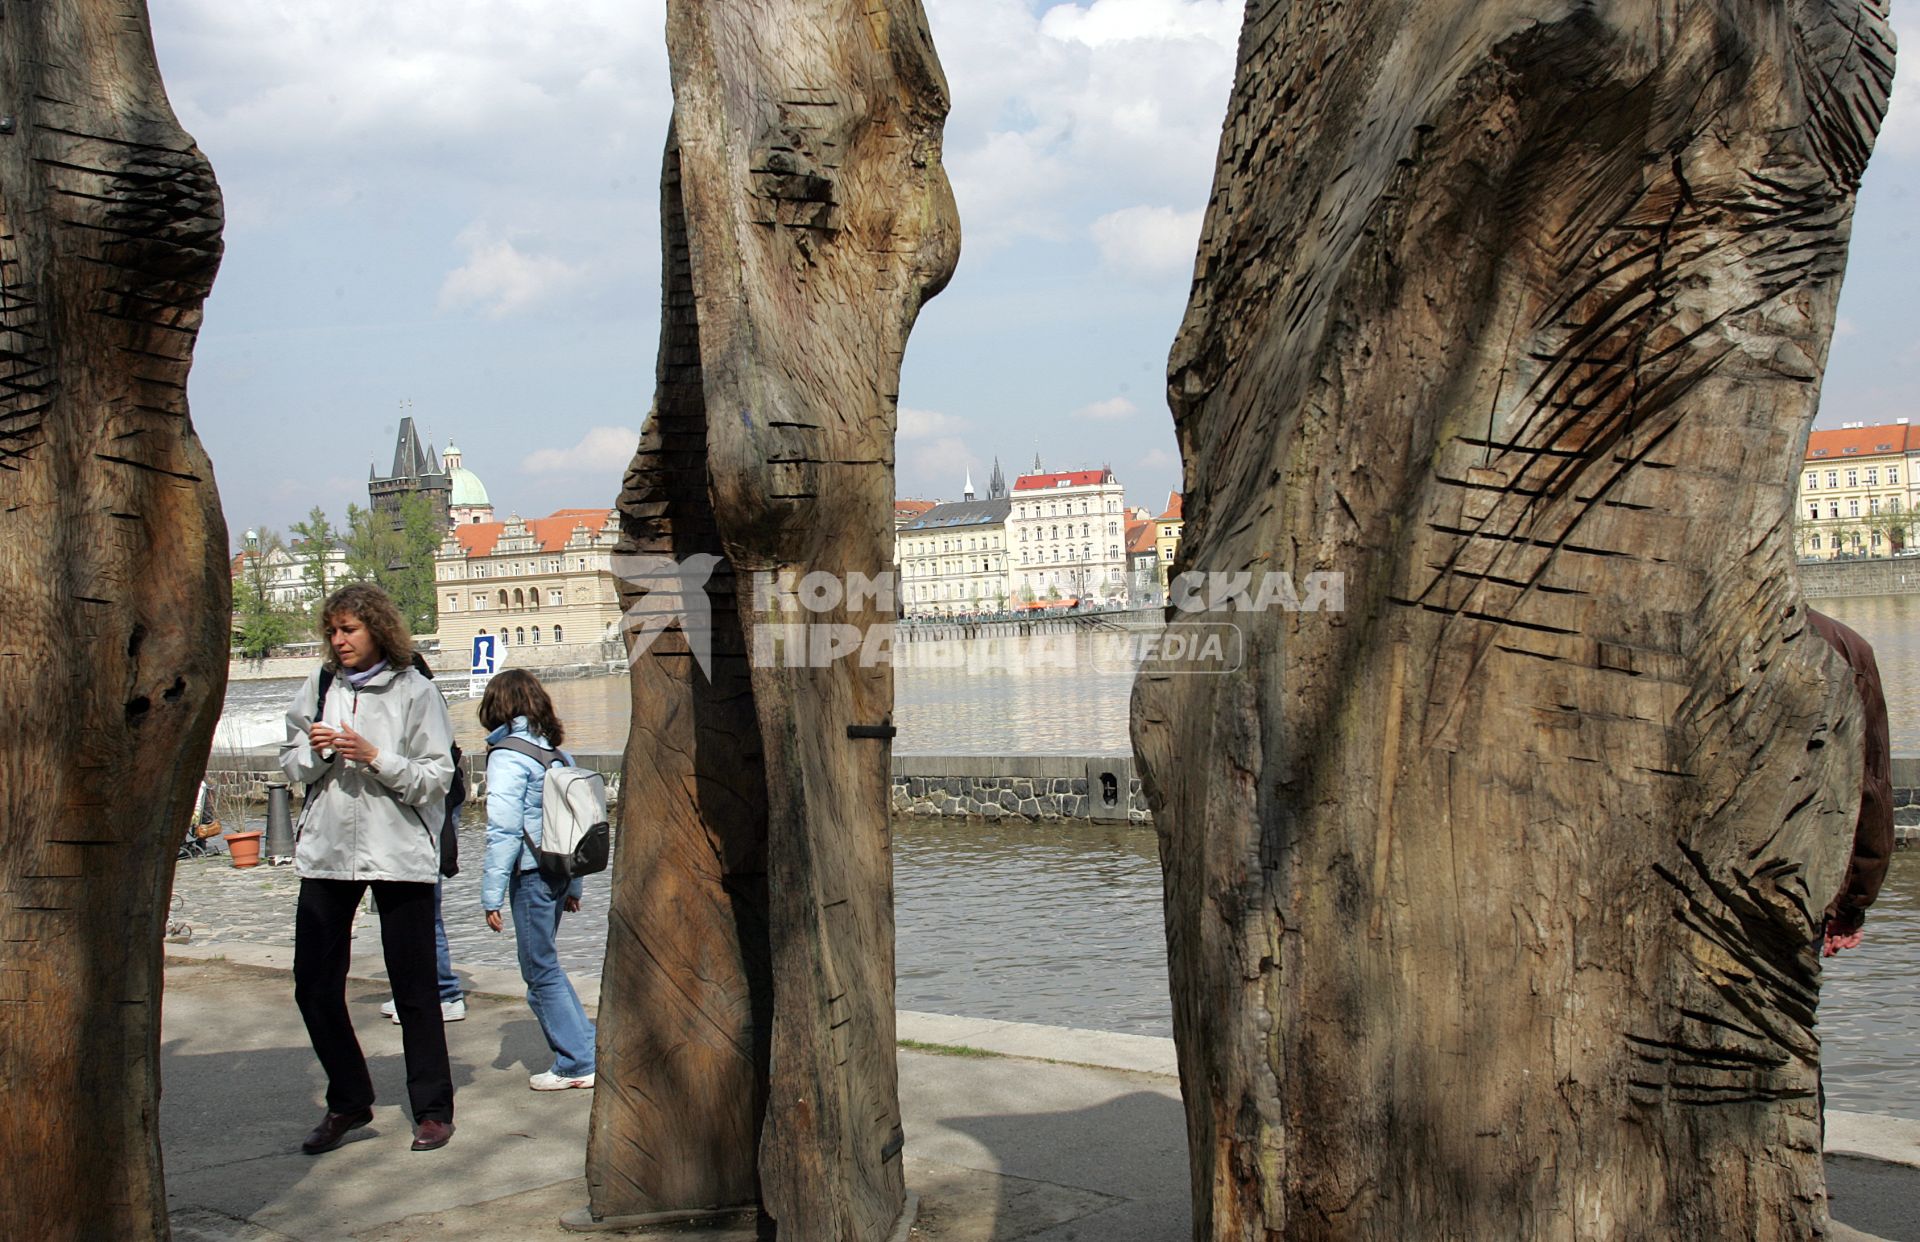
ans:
(747, 1037)
(1491, 899)
(113, 602)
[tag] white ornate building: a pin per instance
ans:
(544, 585)
(953, 557)
(1066, 539)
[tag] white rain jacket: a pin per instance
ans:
(378, 821)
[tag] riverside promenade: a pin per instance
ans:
(1040, 1134)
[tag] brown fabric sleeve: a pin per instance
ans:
(1873, 831)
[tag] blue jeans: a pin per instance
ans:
(449, 982)
(537, 907)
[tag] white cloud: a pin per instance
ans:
(1844, 327)
(1113, 409)
(1085, 104)
(1157, 459)
(1116, 21)
(601, 451)
(1148, 242)
(926, 424)
(500, 279)
(937, 467)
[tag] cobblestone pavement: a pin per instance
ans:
(223, 903)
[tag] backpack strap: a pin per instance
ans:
(319, 710)
(521, 746)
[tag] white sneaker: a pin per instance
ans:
(450, 1011)
(547, 1080)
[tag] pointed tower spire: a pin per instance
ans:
(966, 492)
(997, 485)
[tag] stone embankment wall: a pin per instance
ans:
(551, 659)
(1035, 788)
(1886, 575)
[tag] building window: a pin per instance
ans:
(480, 571)
(1853, 478)
(1833, 508)
(1893, 475)
(1813, 511)
(506, 639)
(1833, 478)
(1876, 539)
(553, 565)
(553, 597)
(1816, 543)
(1873, 476)
(536, 636)
(1813, 478)
(453, 603)
(556, 634)
(1853, 508)
(519, 636)
(1873, 504)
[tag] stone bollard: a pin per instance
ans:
(279, 845)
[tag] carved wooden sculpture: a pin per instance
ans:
(1491, 900)
(747, 1049)
(113, 601)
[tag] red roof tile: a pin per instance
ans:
(1070, 478)
(1838, 442)
(550, 532)
(1172, 513)
(1140, 537)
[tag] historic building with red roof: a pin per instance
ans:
(1066, 538)
(545, 586)
(1857, 491)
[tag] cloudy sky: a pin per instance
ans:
(455, 205)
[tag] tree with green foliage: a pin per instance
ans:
(317, 538)
(260, 624)
(398, 556)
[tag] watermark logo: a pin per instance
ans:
(672, 590)
(813, 620)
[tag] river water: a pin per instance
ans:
(1062, 924)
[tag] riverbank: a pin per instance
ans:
(1014, 1132)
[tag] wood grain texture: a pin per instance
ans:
(1491, 898)
(114, 599)
(807, 218)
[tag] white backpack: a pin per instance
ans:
(574, 837)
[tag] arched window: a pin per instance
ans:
(505, 638)
(533, 599)
(556, 635)
(519, 636)
(503, 598)
(519, 599)
(536, 636)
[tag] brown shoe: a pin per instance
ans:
(333, 1129)
(431, 1134)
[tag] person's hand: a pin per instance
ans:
(1834, 943)
(493, 920)
(350, 745)
(321, 737)
(571, 905)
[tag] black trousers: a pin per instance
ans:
(322, 943)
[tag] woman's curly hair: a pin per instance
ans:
(378, 613)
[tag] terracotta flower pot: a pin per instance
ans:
(244, 847)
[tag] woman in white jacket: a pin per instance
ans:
(376, 757)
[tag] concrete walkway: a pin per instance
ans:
(999, 1148)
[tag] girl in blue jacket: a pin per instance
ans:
(516, 705)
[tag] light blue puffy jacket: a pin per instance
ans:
(515, 799)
